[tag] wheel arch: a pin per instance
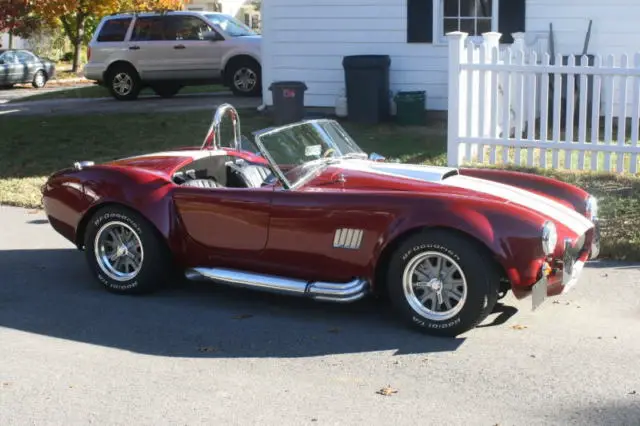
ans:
(84, 221)
(384, 258)
(226, 75)
(119, 62)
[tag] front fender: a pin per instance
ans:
(510, 233)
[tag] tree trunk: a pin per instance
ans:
(10, 40)
(77, 43)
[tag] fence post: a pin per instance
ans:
(456, 123)
(491, 41)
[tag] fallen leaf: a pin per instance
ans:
(556, 302)
(6, 384)
(604, 275)
(387, 391)
(633, 392)
(242, 316)
(209, 349)
(314, 420)
(599, 337)
(519, 327)
(532, 356)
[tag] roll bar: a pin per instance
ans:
(213, 135)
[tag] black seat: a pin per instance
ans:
(245, 175)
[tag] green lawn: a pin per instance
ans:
(95, 91)
(33, 147)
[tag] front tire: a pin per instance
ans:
(125, 252)
(442, 283)
(245, 77)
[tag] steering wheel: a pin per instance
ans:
(327, 152)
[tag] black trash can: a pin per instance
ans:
(288, 101)
(367, 85)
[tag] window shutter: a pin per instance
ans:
(420, 21)
(511, 18)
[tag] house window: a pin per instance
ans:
(470, 16)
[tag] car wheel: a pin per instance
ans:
(245, 77)
(441, 283)
(124, 83)
(39, 80)
(166, 90)
(125, 252)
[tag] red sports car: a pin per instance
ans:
(302, 210)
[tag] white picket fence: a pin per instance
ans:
(515, 106)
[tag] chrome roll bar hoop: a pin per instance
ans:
(213, 134)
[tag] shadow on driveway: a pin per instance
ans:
(52, 293)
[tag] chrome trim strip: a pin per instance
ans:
(324, 291)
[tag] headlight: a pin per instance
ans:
(549, 237)
(592, 208)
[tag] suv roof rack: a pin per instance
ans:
(136, 12)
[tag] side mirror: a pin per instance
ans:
(212, 36)
(376, 157)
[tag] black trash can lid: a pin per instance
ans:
(288, 85)
(366, 61)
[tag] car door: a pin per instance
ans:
(9, 69)
(151, 52)
(198, 59)
(228, 223)
(27, 65)
(323, 234)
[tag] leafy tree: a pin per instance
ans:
(80, 17)
(17, 19)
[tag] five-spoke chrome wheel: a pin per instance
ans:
(118, 250)
(122, 84)
(435, 285)
(245, 79)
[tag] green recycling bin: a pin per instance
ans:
(410, 108)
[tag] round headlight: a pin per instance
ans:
(592, 208)
(549, 237)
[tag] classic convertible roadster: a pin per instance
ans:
(302, 210)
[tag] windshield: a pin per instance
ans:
(230, 25)
(299, 150)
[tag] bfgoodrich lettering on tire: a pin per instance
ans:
(442, 283)
(125, 252)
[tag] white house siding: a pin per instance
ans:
(18, 43)
(307, 41)
(614, 30)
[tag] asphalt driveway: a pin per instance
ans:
(201, 354)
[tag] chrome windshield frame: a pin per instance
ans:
(274, 166)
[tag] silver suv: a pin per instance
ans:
(169, 50)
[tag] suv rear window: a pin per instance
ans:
(114, 29)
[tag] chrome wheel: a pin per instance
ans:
(118, 250)
(122, 84)
(245, 79)
(435, 286)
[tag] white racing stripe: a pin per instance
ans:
(194, 154)
(565, 215)
(548, 207)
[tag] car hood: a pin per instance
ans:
(362, 174)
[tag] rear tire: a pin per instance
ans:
(442, 283)
(39, 79)
(123, 82)
(125, 252)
